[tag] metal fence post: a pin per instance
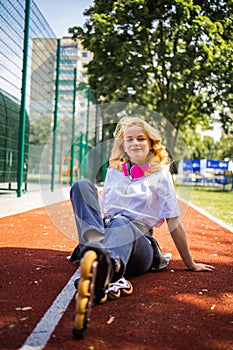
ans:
(80, 154)
(73, 130)
(22, 120)
(55, 123)
(87, 128)
(88, 116)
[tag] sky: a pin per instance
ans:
(62, 14)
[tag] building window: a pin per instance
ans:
(66, 72)
(66, 93)
(69, 51)
(66, 82)
(68, 62)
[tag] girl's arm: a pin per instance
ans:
(181, 241)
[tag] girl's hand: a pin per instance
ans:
(198, 267)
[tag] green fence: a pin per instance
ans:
(22, 27)
(9, 133)
(42, 79)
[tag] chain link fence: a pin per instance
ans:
(48, 118)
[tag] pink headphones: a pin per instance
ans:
(135, 171)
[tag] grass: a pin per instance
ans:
(214, 200)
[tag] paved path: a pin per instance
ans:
(37, 196)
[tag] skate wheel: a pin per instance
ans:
(104, 299)
(76, 296)
(86, 267)
(114, 295)
(79, 321)
(84, 288)
(81, 305)
(127, 291)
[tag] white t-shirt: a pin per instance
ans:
(150, 199)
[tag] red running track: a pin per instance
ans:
(171, 310)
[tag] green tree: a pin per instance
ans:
(225, 147)
(40, 131)
(174, 56)
(202, 147)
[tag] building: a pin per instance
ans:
(43, 80)
(73, 55)
(43, 65)
(44, 70)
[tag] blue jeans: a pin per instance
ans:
(121, 237)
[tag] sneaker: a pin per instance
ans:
(167, 257)
(160, 260)
(118, 288)
(163, 262)
(75, 256)
(96, 272)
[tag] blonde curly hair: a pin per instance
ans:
(158, 156)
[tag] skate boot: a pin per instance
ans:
(95, 274)
(160, 260)
(118, 288)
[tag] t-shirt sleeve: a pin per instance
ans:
(168, 205)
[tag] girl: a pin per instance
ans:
(115, 233)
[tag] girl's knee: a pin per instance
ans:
(81, 186)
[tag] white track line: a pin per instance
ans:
(43, 330)
(209, 216)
